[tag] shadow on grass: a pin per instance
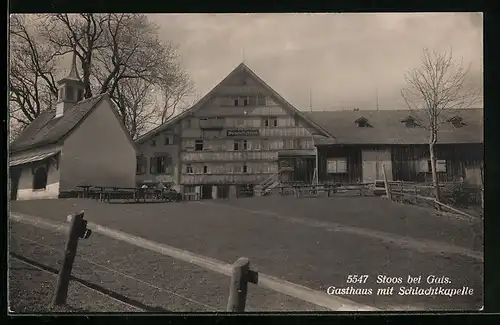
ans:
(95, 287)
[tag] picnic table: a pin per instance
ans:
(106, 193)
(86, 190)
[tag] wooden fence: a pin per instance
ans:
(419, 194)
(300, 189)
(240, 272)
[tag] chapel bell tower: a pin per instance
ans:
(70, 90)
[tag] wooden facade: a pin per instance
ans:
(402, 162)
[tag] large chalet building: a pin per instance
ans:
(243, 135)
(237, 136)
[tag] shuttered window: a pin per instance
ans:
(336, 165)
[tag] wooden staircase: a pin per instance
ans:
(270, 183)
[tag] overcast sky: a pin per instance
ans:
(342, 58)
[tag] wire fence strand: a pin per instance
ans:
(102, 293)
(120, 273)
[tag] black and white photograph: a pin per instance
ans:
(245, 162)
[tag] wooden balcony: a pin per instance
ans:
(223, 178)
(229, 156)
(211, 123)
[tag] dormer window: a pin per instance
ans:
(457, 121)
(410, 122)
(363, 123)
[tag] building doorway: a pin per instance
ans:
(303, 169)
(15, 175)
(206, 191)
(223, 191)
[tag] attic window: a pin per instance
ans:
(457, 121)
(362, 123)
(409, 122)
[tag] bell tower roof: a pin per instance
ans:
(70, 90)
(73, 74)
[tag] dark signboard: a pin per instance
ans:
(242, 132)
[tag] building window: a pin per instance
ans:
(205, 169)
(261, 100)
(40, 178)
(336, 165)
(240, 145)
(245, 168)
(168, 140)
(80, 94)
(457, 121)
(141, 165)
(189, 169)
(70, 93)
(271, 121)
(265, 144)
(426, 166)
(153, 142)
(296, 121)
(198, 145)
(160, 165)
(252, 100)
(245, 102)
(237, 169)
(240, 122)
(236, 102)
(410, 122)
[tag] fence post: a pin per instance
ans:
(387, 189)
(239, 284)
(78, 229)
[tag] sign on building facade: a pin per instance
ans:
(242, 132)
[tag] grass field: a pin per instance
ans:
(313, 242)
(146, 280)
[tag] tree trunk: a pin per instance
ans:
(435, 181)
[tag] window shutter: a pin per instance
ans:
(441, 166)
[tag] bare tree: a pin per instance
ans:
(134, 96)
(173, 93)
(438, 85)
(114, 50)
(32, 87)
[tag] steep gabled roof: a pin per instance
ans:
(241, 67)
(46, 129)
(389, 127)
